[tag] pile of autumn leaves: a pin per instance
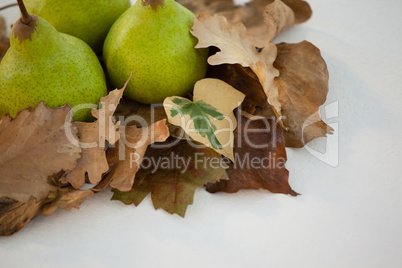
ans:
(284, 85)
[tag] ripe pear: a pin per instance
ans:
(154, 42)
(89, 20)
(45, 65)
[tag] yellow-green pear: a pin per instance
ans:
(89, 20)
(45, 65)
(152, 39)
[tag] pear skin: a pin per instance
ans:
(155, 43)
(88, 20)
(45, 65)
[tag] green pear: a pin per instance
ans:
(154, 42)
(45, 65)
(89, 20)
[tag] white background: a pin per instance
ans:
(348, 216)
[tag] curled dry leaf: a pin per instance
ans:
(264, 19)
(301, 9)
(14, 215)
(126, 157)
(4, 40)
(67, 198)
(33, 147)
(172, 173)
(209, 118)
(277, 17)
(260, 158)
(93, 137)
(238, 48)
(303, 88)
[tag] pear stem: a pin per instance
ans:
(7, 6)
(25, 17)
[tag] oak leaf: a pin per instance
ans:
(236, 47)
(171, 175)
(33, 147)
(260, 158)
(264, 19)
(209, 118)
(93, 137)
(126, 157)
(303, 88)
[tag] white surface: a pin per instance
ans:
(348, 216)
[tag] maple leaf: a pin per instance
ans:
(236, 47)
(133, 147)
(33, 147)
(209, 118)
(260, 158)
(303, 88)
(263, 19)
(93, 136)
(4, 40)
(172, 184)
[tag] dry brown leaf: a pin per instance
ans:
(303, 88)
(301, 9)
(94, 136)
(139, 114)
(4, 40)
(244, 80)
(277, 17)
(67, 198)
(209, 6)
(33, 146)
(260, 159)
(264, 19)
(106, 121)
(93, 161)
(127, 155)
(238, 48)
(14, 215)
(173, 188)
